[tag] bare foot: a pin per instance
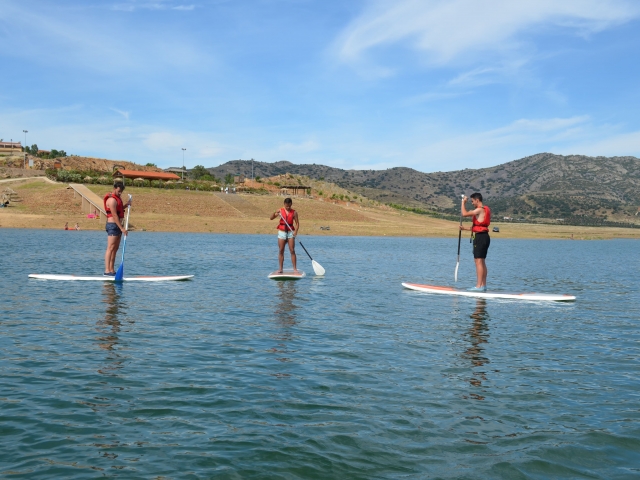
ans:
(279, 271)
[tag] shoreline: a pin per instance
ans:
(216, 225)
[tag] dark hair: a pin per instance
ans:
(477, 196)
(119, 185)
(288, 201)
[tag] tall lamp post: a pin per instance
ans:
(25, 148)
(183, 163)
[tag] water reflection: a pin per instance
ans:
(286, 318)
(109, 328)
(477, 335)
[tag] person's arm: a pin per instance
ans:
(467, 213)
(275, 215)
(296, 224)
(113, 206)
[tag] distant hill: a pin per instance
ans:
(544, 186)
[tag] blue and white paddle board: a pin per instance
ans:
(141, 278)
(287, 275)
(465, 293)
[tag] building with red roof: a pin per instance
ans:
(146, 175)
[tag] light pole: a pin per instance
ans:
(183, 163)
(25, 148)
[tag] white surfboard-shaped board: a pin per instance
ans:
(465, 293)
(287, 275)
(141, 278)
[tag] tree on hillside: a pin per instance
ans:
(151, 165)
(56, 153)
(198, 172)
(228, 179)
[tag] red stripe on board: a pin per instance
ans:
(433, 287)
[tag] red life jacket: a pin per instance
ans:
(480, 227)
(120, 207)
(288, 217)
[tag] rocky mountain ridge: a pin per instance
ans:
(544, 185)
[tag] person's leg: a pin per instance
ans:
(109, 255)
(478, 272)
(114, 252)
(281, 244)
(292, 250)
(481, 272)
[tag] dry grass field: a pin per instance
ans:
(44, 205)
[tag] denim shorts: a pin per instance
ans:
(282, 235)
(113, 230)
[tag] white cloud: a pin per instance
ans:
(132, 6)
(124, 114)
(288, 148)
(615, 145)
(446, 30)
(433, 97)
(158, 141)
(209, 150)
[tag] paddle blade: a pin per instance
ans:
(317, 268)
(120, 273)
(455, 275)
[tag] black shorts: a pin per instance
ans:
(481, 242)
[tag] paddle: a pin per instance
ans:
(316, 266)
(455, 275)
(120, 272)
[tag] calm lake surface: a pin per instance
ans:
(349, 376)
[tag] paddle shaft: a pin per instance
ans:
(459, 238)
(120, 272)
(126, 227)
(455, 275)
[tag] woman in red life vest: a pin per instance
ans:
(481, 218)
(115, 214)
(287, 231)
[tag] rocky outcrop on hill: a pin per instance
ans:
(75, 163)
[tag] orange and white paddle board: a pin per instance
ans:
(465, 293)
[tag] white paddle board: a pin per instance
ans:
(287, 275)
(142, 278)
(465, 293)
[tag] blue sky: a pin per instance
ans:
(429, 84)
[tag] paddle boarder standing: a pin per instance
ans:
(481, 218)
(115, 214)
(287, 231)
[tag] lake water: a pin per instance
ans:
(349, 376)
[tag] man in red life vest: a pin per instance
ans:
(287, 231)
(481, 218)
(115, 215)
